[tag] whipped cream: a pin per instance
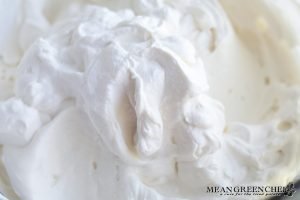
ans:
(147, 99)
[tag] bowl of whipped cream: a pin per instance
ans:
(149, 99)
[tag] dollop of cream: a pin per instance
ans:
(148, 99)
(18, 122)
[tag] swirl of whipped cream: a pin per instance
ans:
(142, 91)
(139, 78)
(113, 102)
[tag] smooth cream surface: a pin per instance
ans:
(147, 99)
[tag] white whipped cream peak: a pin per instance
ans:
(18, 122)
(147, 99)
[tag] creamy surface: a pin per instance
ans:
(147, 99)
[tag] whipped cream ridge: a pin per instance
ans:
(147, 99)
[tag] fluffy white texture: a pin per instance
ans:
(126, 85)
(18, 122)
